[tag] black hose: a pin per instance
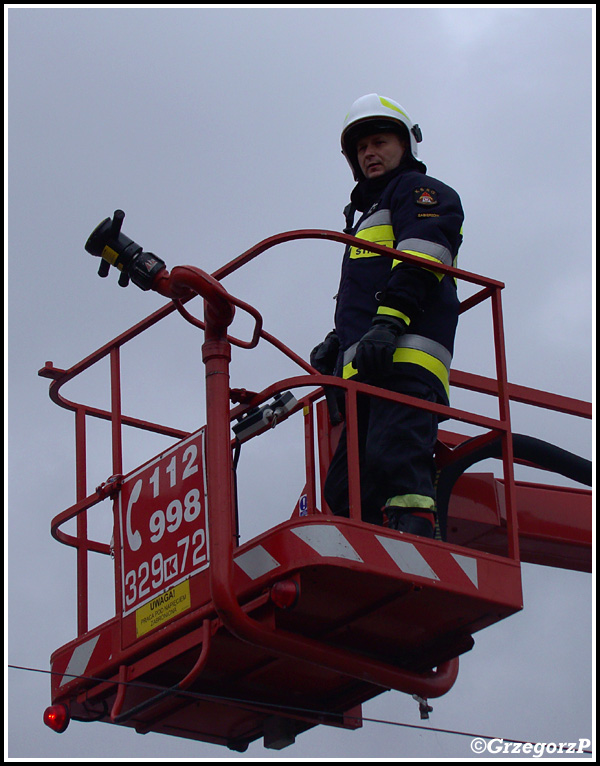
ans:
(540, 453)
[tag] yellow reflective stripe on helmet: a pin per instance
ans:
(390, 105)
(386, 311)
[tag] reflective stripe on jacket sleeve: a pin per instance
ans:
(426, 249)
(414, 349)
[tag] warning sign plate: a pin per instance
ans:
(162, 608)
(164, 532)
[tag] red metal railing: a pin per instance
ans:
(181, 285)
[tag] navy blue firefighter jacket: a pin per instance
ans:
(406, 210)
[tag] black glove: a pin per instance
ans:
(324, 356)
(375, 351)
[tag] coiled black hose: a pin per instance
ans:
(540, 453)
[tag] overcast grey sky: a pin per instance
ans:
(214, 128)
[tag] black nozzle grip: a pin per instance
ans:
(104, 268)
(117, 222)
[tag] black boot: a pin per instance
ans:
(406, 520)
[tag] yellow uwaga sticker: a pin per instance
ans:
(163, 608)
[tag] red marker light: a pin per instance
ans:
(285, 593)
(57, 717)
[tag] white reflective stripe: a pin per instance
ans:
(327, 541)
(429, 346)
(79, 660)
(407, 558)
(379, 218)
(439, 252)
(468, 566)
(417, 342)
(256, 562)
(349, 354)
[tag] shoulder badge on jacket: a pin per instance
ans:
(425, 196)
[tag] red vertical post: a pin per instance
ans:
(216, 355)
(324, 447)
(117, 460)
(309, 456)
(354, 501)
(504, 415)
(115, 394)
(81, 491)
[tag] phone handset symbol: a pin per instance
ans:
(133, 538)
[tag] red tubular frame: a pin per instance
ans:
(180, 285)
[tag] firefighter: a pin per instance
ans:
(395, 321)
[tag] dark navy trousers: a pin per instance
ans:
(396, 448)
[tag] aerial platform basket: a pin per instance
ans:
(225, 642)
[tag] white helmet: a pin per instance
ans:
(371, 114)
